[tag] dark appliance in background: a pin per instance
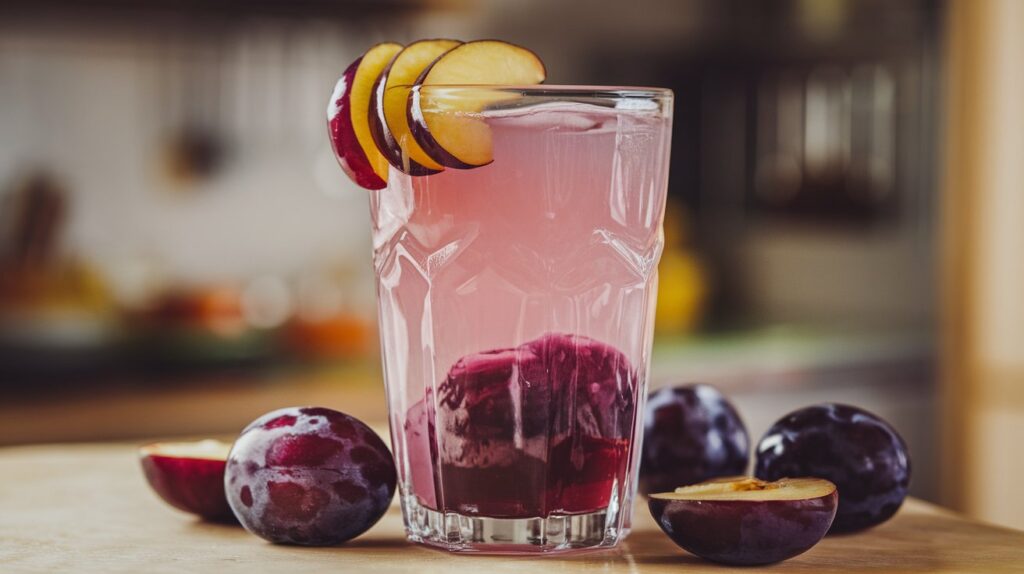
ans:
(806, 120)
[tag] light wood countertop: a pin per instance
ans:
(87, 508)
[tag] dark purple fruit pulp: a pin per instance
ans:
(692, 433)
(539, 429)
(309, 476)
(858, 451)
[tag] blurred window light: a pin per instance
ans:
(266, 302)
(823, 19)
(780, 119)
(827, 131)
(825, 118)
(318, 298)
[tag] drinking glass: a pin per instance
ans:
(516, 305)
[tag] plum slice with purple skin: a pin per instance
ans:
(447, 126)
(692, 433)
(389, 122)
(527, 431)
(862, 454)
(348, 118)
(310, 476)
(746, 521)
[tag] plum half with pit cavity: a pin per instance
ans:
(746, 521)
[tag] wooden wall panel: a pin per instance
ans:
(983, 259)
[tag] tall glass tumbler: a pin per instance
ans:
(516, 306)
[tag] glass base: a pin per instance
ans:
(556, 534)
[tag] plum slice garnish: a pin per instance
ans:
(447, 124)
(395, 105)
(389, 121)
(747, 521)
(348, 118)
(189, 476)
(322, 479)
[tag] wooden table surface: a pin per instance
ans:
(87, 508)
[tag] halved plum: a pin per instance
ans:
(389, 122)
(447, 124)
(746, 521)
(189, 476)
(348, 118)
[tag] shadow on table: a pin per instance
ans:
(882, 549)
(378, 543)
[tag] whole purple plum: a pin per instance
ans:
(858, 451)
(692, 433)
(309, 476)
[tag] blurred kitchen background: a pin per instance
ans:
(180, 252)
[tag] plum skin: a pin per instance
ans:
(190, 484)
(349, 152)
(745, 532)
(309, 476)
(382, 134)
(692, 433)
(856, 450)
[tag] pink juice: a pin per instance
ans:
(516, 309)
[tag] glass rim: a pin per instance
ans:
(558, 90)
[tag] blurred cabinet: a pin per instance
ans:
(805, 145)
